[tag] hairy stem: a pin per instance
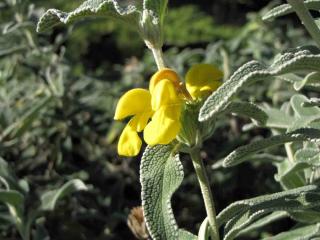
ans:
(306, 18)
(206, 192)
(158, 57)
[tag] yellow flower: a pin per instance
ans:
(162, 104)
(157, 112)
(136, 103)
(202, 79)
(165, 123)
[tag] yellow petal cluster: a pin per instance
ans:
(203, 79)
(157, 112)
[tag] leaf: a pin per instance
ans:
(49, 199)
(264, 221)
(241, 154)
(304, 115)
(306, 216)
(15, 202)
(90, 8)
(286, 9)
(297, 103)
(292, 61)
(22, 124)
(308, 232)
(241, 214)
(157, 6)
(248, 110)
(288, 174)
(312, 102)
(8, 177)
(204, 231)
(307, 81)
(161, 173)
(278, 118)
(310, 156)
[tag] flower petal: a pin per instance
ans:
(164, 94)
(139, 121)
(203, 79)
(129, 144)
(164, 126)
(135, 101)
(165, 73)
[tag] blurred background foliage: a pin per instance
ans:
(58, 93)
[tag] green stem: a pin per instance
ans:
(206, 192)
(158, 57)
(306, 18)
(289, 152)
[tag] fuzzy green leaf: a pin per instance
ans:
(157, 6)
(278, 118)
(249, 110)
(304, 116)
(204, 231)
(161, 173)
(286, 9)
(240, 155)
(50, 199)
(15, 203)
(299, 60)
(310, 216)
(23, 123)
(308, 232)
(264, 221)
(288, 174)
(242, 214)
(90, 8)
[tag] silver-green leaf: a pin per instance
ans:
(161, 173)
(249, 110)
(286, 9)
(242, 214)
(241, 154)
(298, 60)
(50, 199)
(302, 233)
(90, 8)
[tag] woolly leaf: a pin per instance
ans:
(204, 231)
(304, 116)
(50, 199)
(90, 8)
(308, 232)
(240, 155)
(264, 221)
(288, 174)
(307, 216)
(286, 9)
(299, 60)
(242, 214)
(248, 110)
(15, 203)
(157, 6)
(161, 173)
(312, 102)
(278, 118)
